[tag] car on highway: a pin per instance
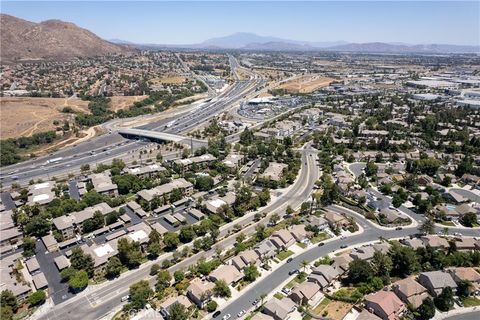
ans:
(227, 316)
(289, 260)
(216, 313)
(125, 298)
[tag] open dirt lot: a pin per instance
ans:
(306, 84)
(24, 116)
(172, 79)
(337, 309)
(123, 102)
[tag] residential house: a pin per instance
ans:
(466, 274)
(282, 239)
(299, 233)
(336, 220)
(228, 273)
(200, 291)
(410, 291)
(266, 249)
(436, 281)
(147, 171)
(435, 241)
(306, 293)
(274, 172)
(385, 304)
(279, 309)
(166, 305)
(41, 193)
(246, 258)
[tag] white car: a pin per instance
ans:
(241, 313)
(227, 316)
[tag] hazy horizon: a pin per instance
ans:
(177, 23)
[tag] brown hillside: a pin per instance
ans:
(51, 39)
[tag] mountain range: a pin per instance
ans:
(251, 41)
(23, 40)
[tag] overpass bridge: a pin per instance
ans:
(161, 137)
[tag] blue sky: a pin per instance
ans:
(185, 22)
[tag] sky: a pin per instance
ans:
(189, 22)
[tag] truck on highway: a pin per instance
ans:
(54, 160)
(171, 123)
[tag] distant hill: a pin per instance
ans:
(51, 39)
(251, 41)
(381, 47)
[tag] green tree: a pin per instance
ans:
(251, 273)
(444, 301)
(37, 298)
(29, 245)
(178, 312)
(129, 253)
(171, 241)
(163, 281)
(212, 306)
(426, 310)
(204, 183)
(113, 268)
(381, 265)
(187, 234)
(7, 298)
(78, 281)
(140, 292)
(221, 289)
(179, 275)
(370, 169)
(464, 288)
(404, 260)
(428, 226)
(359, 271)
(67, 273)
(6, 312)
(154, 269)
(81, 261)
(469, 219)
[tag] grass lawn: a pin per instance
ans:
(284, 254)
(321, 236)
(322, 305)
(471, 302)
(448, 223)
(291, 284)
(301, 245)
(278, 295)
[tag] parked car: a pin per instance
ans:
(216, 313)
(343, 246)
(321, 244)
(241, 313)
(398, 228)
(289, 260)
(227, 316)
(125, 298)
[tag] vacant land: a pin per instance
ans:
(23, 116)
(336, 309)
(123, 102)
(306, 84)
(171, 79)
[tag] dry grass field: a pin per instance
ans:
(24, 116)
(306, 84)
(171, 79)
(124, 102)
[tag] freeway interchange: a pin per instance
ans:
(113, 145)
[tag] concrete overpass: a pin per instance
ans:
(161, 137)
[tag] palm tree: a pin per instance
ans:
(262, 297)
(304, 265)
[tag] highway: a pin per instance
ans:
(97, 301)
(110, 146)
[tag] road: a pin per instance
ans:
(110, 146)
(474, 315)
(96, 302)
(371, 232)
